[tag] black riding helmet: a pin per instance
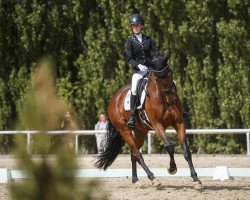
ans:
(135, 19)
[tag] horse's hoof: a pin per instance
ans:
(156, 183)
(198, 185)
(172, 171)
(138, 184)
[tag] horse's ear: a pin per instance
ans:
(166, 58)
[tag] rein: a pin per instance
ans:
(158, 71)
(164, 91)
(168, 90)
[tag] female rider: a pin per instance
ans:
(139, 49)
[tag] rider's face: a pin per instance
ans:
(137, 28)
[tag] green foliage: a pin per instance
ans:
(6, 142)
(159, 147)
(227, 144)
(232, 70)
(48, 180)
(209, 41)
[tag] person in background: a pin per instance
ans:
(101, 137)
(69, 123)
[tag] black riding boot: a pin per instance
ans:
(132, 119)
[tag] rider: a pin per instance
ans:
(139, 49)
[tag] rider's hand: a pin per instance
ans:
(142, 67)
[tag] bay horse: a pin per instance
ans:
(163, 109)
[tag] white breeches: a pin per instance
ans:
(135, 78)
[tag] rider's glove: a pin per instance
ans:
(142, 67)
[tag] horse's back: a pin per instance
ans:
(120, 94)
(116, 104)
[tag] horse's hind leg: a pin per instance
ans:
(135, 144)
(139, 140)
(128, 137)
(140, 160)
(181, 131)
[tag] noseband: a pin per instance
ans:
(165, 91)
(162, 73)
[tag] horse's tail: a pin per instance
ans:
(112, 148)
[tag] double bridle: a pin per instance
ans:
(171, 91)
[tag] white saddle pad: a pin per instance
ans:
(127, 99)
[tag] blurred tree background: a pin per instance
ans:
(50, 178)
(209, 41)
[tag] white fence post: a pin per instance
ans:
(28, 142)
(248, 143)
(149, 143)
(76, 144)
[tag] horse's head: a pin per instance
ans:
(162, 75)
(160, 67)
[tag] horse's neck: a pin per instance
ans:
(158, 86)
(154, 88)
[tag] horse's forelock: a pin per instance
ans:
(160, 63)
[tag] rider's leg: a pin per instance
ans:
(132, 119)
(185, 114)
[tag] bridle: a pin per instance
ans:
(171, 91)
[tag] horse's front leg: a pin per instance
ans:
(169, 147)
(181, 131)
(172, 166)
(134, 169)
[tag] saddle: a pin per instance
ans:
(141, 91)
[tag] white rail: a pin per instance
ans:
(8, 175)
(92, 132)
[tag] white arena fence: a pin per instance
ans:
(77, 133)
(218, 173)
